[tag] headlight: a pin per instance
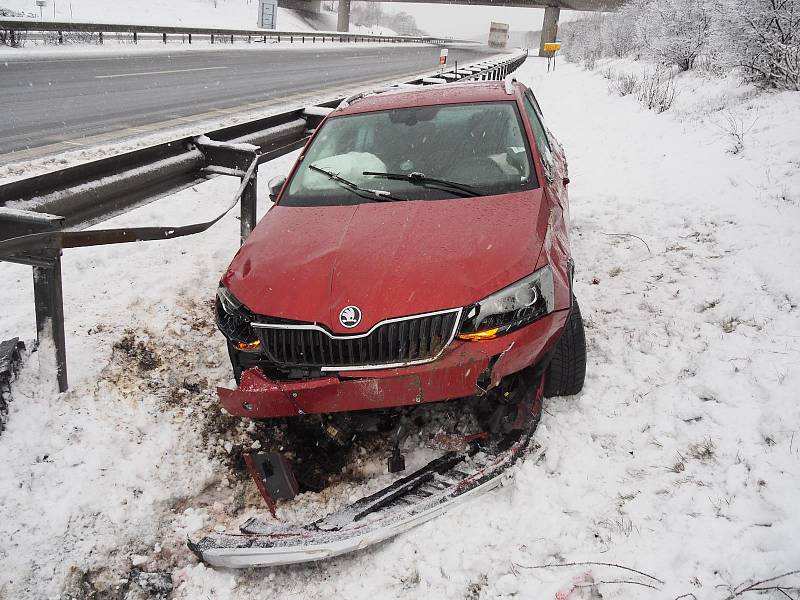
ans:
(511, 308)
(233, 320)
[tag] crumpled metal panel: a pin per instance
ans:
(454, 375)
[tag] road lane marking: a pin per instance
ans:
(71, 143)
(157, 72)
(362, 56)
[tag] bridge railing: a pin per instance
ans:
(15, 27)
(71, 199)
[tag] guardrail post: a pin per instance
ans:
(249, 205)
(47, 293)
(48, 298)
(212, 38)
(249, 39)
(100, 36)
(135, 38)
(60, 37)
(291, 39)
(190, 38)
(279, 39)
(231, 38)
(303, 40)
(164, 37)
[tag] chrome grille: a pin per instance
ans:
(395, 342)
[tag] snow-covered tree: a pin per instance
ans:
(675, 31)
(763, 38)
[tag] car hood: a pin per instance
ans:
(390, 259)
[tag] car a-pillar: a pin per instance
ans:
(549, 28)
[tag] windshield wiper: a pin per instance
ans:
(416, 178)
(374, 195)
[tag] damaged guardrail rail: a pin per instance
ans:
(17, 28)
(63, 203)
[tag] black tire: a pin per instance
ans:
(567, 368)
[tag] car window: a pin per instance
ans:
(539, 133)
(479, 145)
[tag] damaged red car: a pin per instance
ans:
(416, 255)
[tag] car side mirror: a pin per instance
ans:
(275, 185)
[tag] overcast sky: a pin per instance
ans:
(471, 21)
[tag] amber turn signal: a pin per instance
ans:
(249, 345)
(486, 334)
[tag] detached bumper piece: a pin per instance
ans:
(432, 490)
(273, 476)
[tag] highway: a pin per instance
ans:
(53, 104)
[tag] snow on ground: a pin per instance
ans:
(681, 457)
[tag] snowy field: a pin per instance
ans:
(680, 459)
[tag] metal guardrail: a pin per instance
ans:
(75, 197)
(14, 26)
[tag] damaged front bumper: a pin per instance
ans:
(455, 374)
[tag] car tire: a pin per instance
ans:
(567, 368)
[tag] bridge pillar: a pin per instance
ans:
(344, 16)
(549, 27)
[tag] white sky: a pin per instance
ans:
(438, 19)
(471, 21)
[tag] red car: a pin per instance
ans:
(417, 252)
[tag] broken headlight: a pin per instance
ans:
(512, 307)
(233, 320)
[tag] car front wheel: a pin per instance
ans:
(567, 368)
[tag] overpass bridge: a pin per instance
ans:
(552, 10)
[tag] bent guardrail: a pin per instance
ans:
(72, 198)
(15, 26)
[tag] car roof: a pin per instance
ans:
(451, 93)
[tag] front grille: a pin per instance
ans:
(397, 342)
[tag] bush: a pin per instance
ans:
(624, 84)
(657, 90)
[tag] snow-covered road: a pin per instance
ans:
(680, 459)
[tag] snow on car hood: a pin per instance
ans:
(390, 258)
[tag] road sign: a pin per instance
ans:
(552, 47)
(268, 14)
(443, 56)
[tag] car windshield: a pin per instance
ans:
(419, 153)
